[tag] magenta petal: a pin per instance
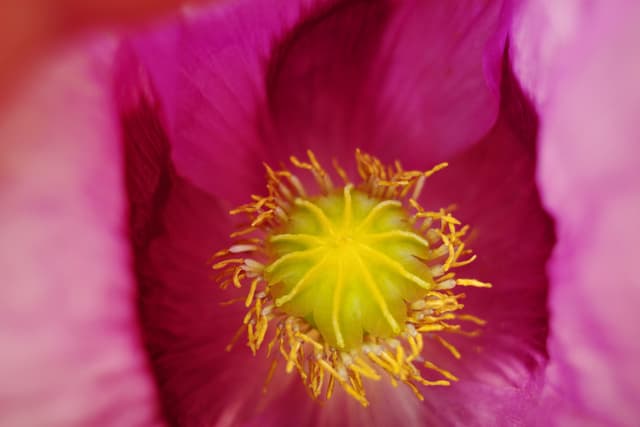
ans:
(211, 92)
(396, 78)
(320, 83)
(247, 85)
(591, 182)
(436, 64)
(70, 354)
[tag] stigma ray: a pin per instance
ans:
(396, 267)
(301, 283)
(377, 296)
(399, 234)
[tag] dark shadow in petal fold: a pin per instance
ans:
(405, 79)
(517, 108)
(148, 168)
(318, 78)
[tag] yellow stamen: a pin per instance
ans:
(473, 282)
(252, 291)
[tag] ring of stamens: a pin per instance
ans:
(343, 285)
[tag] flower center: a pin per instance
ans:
(348, 282)
(346, 263)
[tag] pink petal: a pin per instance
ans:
(258, 80)
(434, 72)
(387, 77)
(590, 181)
(211, 93)
(320, 81)
(71, 354)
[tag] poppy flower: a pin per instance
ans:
(331, 78)
(134, 329)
